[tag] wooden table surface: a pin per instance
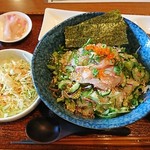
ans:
(38, 6)
(139, 139)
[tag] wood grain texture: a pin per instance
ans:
(38, 6)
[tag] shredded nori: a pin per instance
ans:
(109, 28)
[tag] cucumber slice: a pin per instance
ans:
(74, 87)
(104, 93)
(129, 65)
(94, 97)
(63, 83)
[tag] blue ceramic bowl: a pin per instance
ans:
(42, 75)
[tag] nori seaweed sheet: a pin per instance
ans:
(109, 28)
(99, 33)
(113, 16)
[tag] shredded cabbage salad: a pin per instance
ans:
(97, 80)
(17, 92)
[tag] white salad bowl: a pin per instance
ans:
(6, 56)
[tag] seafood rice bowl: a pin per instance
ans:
(96, 73)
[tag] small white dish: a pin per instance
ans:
(16, 54)
(141, 20)
(14, 26)
(53, 17)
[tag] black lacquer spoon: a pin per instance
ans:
(46, 130)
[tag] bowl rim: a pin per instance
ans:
(37, 99)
